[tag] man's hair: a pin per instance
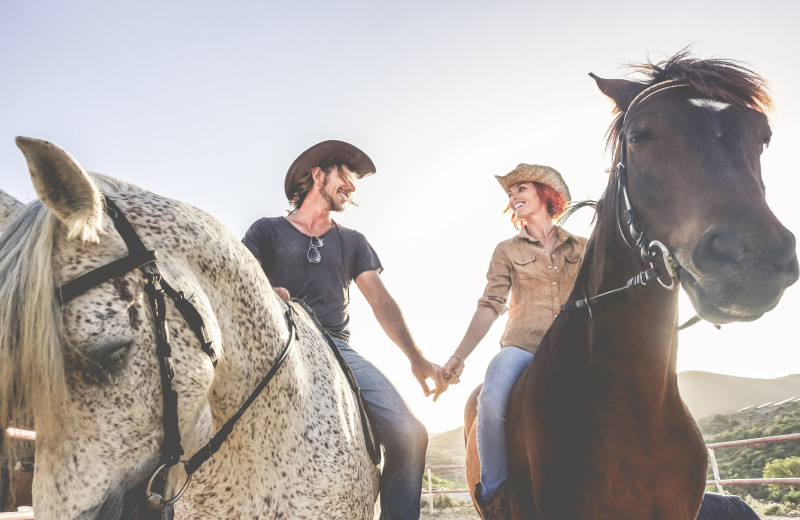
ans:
(556, 204)
(303, 186)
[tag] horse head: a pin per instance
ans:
(689, 141)
(85, 370)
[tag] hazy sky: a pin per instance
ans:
(209, 102)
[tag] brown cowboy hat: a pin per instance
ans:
(328, 151)
(535, 173)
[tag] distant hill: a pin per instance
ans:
(706, 393)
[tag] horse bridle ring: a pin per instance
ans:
(154, 500)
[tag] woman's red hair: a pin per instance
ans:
(556, 204)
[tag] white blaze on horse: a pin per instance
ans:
(86, 374)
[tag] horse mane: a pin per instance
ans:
(32, 340)
(723, 80)
(577, 205)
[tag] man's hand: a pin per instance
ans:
(424, 369)
(283, 293)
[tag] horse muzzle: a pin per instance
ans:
(737, 275)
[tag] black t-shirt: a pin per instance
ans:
(325, 286)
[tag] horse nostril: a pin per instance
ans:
(728, 246)
(718, 248)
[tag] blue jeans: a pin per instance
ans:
(501, 375)
(405, 439)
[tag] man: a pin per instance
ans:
(307, 255)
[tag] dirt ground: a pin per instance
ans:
(452, 513)
(463, 513)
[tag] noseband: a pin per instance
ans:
(648, 250)
(139, 257)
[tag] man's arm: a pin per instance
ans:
(391, 319)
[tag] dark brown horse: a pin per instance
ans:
(596, 427)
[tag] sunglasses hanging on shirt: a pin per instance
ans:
(313, 255)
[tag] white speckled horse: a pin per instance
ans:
(87, 374)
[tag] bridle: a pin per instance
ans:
(157, 289)
(647, 249)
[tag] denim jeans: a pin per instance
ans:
(502, 373)
(405, 439)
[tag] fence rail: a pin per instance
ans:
(719, 482)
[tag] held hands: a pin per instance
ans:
(423, 370)
(452, 370)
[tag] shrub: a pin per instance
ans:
(783, 468)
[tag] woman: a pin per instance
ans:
(538, 266)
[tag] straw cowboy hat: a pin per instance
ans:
(535, 173)
(328, 151)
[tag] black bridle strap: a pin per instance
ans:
(172, 451)
(212, 446)
(124, 227)
(193, 318)
(587, 302)
(92, 279)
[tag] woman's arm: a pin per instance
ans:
(481, 322)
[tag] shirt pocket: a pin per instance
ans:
(525, 265)
(571, 263)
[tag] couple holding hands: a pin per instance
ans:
(307, 255)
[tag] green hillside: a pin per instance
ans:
(447, 449)
(751, 461)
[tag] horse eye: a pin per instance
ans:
(106, 361)
(637, 137)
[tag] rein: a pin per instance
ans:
(157, 289)
(648, 250)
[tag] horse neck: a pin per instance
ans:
(247, 314)
(632, 332)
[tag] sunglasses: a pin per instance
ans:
(313, 255)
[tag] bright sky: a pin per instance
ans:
(209, 102)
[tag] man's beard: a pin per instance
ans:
(334, 201)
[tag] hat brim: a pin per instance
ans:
(535, 173)
(325, 152)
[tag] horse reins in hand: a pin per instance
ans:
(648, 250)
(157, 288)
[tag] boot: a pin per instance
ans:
(496, 508)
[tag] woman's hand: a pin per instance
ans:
(452, 370)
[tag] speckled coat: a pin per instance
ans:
(298, 452)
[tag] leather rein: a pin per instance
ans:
(648, 250)
(157, 290)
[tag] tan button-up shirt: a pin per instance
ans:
(539, 282)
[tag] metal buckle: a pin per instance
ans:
(669, 263)
(156, 501)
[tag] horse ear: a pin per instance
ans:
(64, 187)
(8, 205)
(621, 91)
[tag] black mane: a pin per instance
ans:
(723, 80)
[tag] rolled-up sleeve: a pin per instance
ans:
(498, 285)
